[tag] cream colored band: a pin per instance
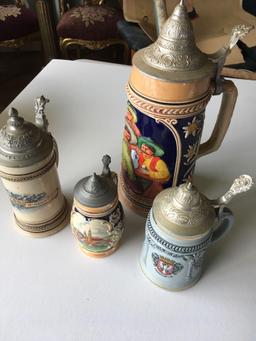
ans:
(158, 111)
(29, 176)
(95, 212)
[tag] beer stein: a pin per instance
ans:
(28, 169)
(170, 85)
(180, 227)
(97, 214)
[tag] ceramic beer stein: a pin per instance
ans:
(28, 169)
(180, 227)
(97, 214)
(170, 85)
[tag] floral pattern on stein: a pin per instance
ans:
(193, 127)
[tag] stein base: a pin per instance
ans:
(135, 207)
(99, 254)
(51, 227)
(165, 288)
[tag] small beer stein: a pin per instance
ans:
(28, 168)
(97, 214)
(180, 227)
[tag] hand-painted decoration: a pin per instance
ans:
(157, 155)
(31, 201)
(98, 235)
(165, 266)
(169, 87)
(97, 215)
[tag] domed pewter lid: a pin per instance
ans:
(23, 143)
(183, 211)
(97, 190)
(174, 56)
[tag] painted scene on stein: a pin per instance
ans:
(156, 156)
(31, 201)
(98, 235)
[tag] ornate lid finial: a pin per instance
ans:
(97, 190)
(93, 184)
(106, 160)
(15, 121)
(41, 119)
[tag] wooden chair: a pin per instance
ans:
(18, 24)
(91, 25)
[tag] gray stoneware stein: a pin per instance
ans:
(180, 227)
(97, 214)
(28, 169)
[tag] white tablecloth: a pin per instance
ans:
(49, 290)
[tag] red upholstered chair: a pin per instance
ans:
(18, 24)
(89, 24)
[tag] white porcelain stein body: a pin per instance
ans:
(39, 206)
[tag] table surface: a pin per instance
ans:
(49, 290)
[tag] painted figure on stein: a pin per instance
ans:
(170, 85)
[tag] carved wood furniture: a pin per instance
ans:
(18, 24)
(91, 25)
(46, 22)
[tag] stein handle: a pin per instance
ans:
(228, 102)
(225, 222)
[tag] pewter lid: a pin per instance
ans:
(183, 211)
(22, 143)
(174, 56)
(97, 190)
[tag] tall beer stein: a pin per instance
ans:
(28, 169)
(170, 85)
